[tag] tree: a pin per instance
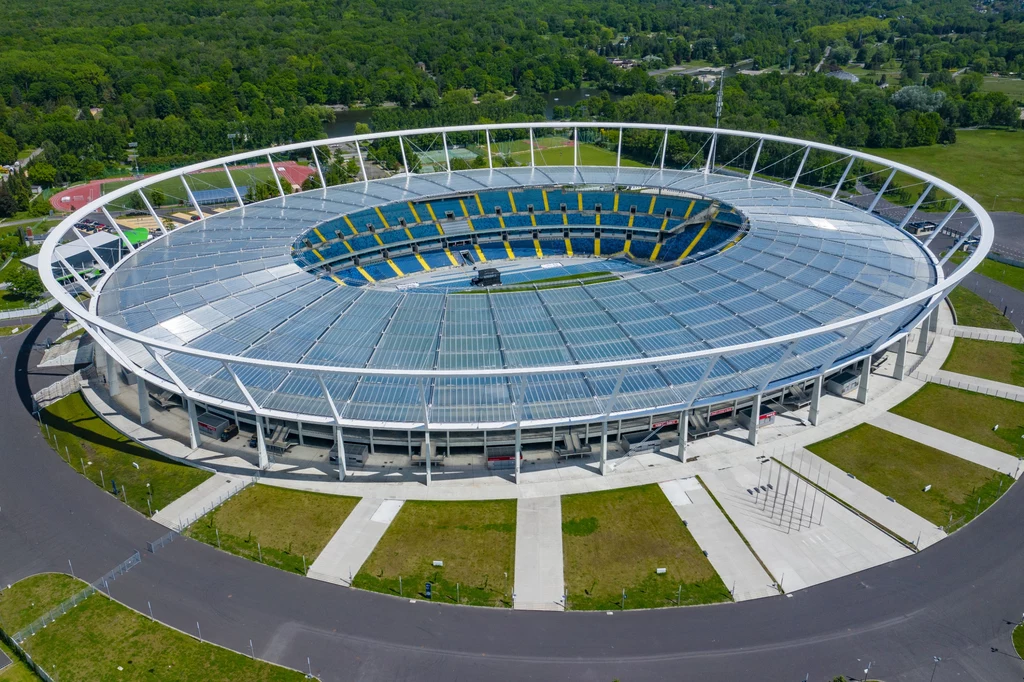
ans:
(8, 150)
(25, 282)
(42, 173)
(157, 198)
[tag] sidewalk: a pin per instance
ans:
(947, 442)
(352, 545)
(976, 384)
(206, 496)
(539, 580)
(729, 555)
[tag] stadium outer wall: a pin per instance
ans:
(505, 445)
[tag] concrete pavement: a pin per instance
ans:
(206, 496)
(738, 568)
(352, 545)
(977, 384)
(539, 582)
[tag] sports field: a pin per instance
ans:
(174, 193)
(987, 164)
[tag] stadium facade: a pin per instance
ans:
(639, 303)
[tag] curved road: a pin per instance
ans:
(956, 600)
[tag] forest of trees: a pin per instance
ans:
(83, 79)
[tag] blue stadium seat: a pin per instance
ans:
(581, 219)
(442, 206)
(641, 248)
(549, 218)
(490, 200)
(523, 248)
(436, 259)
(494, 251)
(582, 247)
(424, 231)
(644, 220)
(486, 223)
(360, 219)
(379, 271)
(611, 246)
(393, 236)
(592, 199)
(619, 219)
(527, 197)
(394, 212)
(553, 247)
(350, 276)
(333, 250)
(407, 264)
(363, 241)
(519, 220)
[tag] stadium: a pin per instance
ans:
(520, 311)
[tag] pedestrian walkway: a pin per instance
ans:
(206, 496)
(870, 502)
(947, 442)
(803, 538)
(976, 384)
(539, 582)
(982, 334)
(738, 568)
(352, 545)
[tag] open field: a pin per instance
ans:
(33, 597)
(901, 468)
(987, 359)
(88, 440)
(1014, 87)
(102, 640)
(589, 155)
(615, 540)
(984, 163)
(969, 415)
(288, 528)
(974, 311)
(475, 540)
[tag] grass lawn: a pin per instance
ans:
(102, 640)
(974, 311)
(901, 468)
(984, 163)
(12, 301)
(1009, 275)
(11, 331)
(287, 524)
(34, 596)
(968, 415)
(83, 436)
(614, 540)
(174, 193)
(16, 671)
(589, 155)
(475, 540)
(987, 359)
(1018, 641)
(1014, 87)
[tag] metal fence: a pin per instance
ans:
(56, 612)
(25, 657)
(186, 521)
(983, 335)
(161, 542)
(1017, 396)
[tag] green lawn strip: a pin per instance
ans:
(984, 163)
(969, 415)
(286, 526)
(11, 331)
(616, 539)
(32, 597)
(974, 311)
(475, 540)
(12, 301)
(85, 437)
(987, 359)
(1018, 640)
(901, 468)
(17, 671)
(91, 641)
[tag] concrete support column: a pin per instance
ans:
(604, 446)
(922, 339)
(684, 433)
(339, 440)
(755, 414)
(426, 452)
(113, 381)
(140, 384)
(261, 444)
(901, 359)
(933, 319)
(815, 413)
(865, 377)
(302, 440)
(193, 423)
(519, 451)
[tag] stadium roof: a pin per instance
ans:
(229, 285)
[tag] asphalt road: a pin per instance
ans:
(957, 599)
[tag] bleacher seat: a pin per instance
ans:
(494, 251)
(492, 200)
(393, 236)
(436, 259)
(553, 247)
(527, 197)
(582, 247)
(641, 248)
(611, 246)
(523, 248)
(407, 264)
(423, 231)
(362, 242)
(592, 199)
